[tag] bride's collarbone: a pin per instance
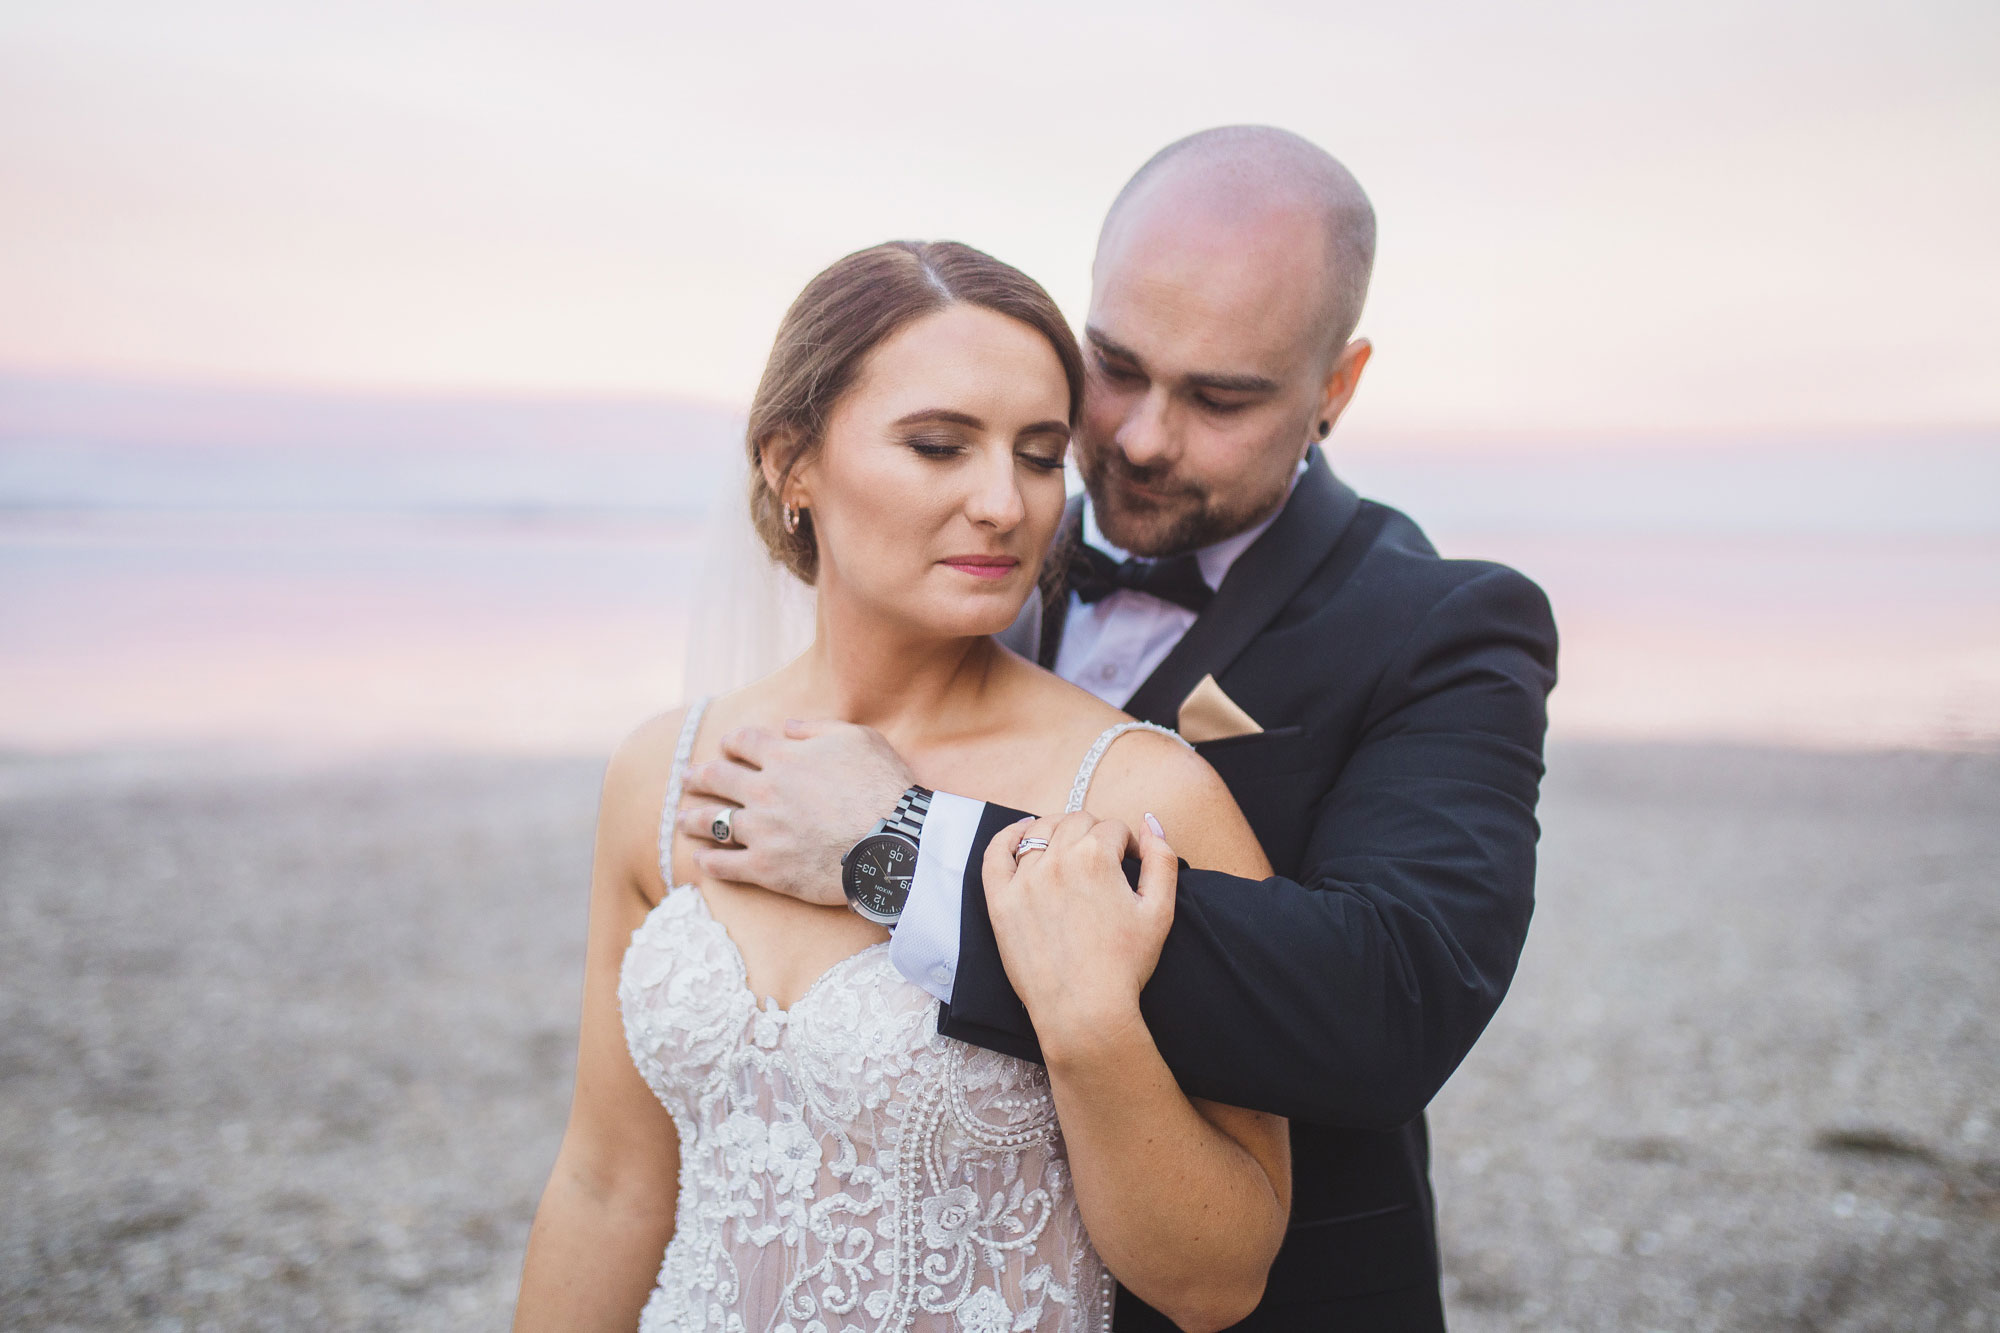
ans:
(1029, 769)
(1039, 778)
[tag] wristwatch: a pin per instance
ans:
(876, 871)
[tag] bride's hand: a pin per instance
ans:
(1078, 942)
(803, 798)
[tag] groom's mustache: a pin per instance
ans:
(1157, 479)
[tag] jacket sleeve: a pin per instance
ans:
(1348, 996)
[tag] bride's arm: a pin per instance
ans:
(608, 1210)
(1186, 1200)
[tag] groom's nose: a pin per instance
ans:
(1146, 435)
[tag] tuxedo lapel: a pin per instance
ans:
(1256, 588)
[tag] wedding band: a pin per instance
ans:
(721, 828)
(1026, 845)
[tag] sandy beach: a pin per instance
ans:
(289, 1046)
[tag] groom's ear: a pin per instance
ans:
(1343, 376)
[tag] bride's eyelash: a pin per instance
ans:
(931, 447)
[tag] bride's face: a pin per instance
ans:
(939, 485)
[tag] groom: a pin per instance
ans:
(1377, 711)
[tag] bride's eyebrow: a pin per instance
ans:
(951, 417)
(943, 414)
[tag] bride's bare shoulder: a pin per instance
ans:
(1152, 768)
(635, 779)
(1149, 772)
(1142, 772)
(649, 747)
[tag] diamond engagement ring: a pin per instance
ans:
(1026, 845)
(721, 828)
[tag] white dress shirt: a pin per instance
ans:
(1108, 647)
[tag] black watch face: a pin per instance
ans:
(877, 877)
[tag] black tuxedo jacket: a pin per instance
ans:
(1403, 699)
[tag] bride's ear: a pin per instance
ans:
(775, 460)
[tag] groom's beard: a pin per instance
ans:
(1176, 517)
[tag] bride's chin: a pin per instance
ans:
(973, 618)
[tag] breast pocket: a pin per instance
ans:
(1277, 750)
(1275, 776)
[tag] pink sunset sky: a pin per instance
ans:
(1687, 309)
(1688, 217)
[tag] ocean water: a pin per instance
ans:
(264, 572)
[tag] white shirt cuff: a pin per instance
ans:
(925, 945)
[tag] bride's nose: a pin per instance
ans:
(995, 501)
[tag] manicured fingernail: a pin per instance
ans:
(1024, 819)
(1154, 825)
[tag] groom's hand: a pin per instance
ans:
(803, 799)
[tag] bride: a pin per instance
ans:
(768, 1133)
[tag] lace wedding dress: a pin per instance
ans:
(844, 1168)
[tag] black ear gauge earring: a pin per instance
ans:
(1325, 429)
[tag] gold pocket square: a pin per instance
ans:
(1207, 714)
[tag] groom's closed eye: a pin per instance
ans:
(1223, 394)
(1117, 372)
(1217, 392)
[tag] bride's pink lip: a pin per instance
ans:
(983, 566)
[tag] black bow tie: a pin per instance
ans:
(1093, 576)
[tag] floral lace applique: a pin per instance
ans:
(844, 1168)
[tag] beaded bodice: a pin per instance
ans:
(843, 1166)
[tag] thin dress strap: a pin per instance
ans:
(690, 725)
(1081, 786)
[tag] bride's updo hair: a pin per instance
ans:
(845, 313)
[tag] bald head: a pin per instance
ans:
(1249, 179)
(1224, 296)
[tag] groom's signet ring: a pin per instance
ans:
(1026, 845)
(721, 828)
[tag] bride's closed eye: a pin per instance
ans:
(930, 446)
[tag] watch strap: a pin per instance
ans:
(908, 816)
